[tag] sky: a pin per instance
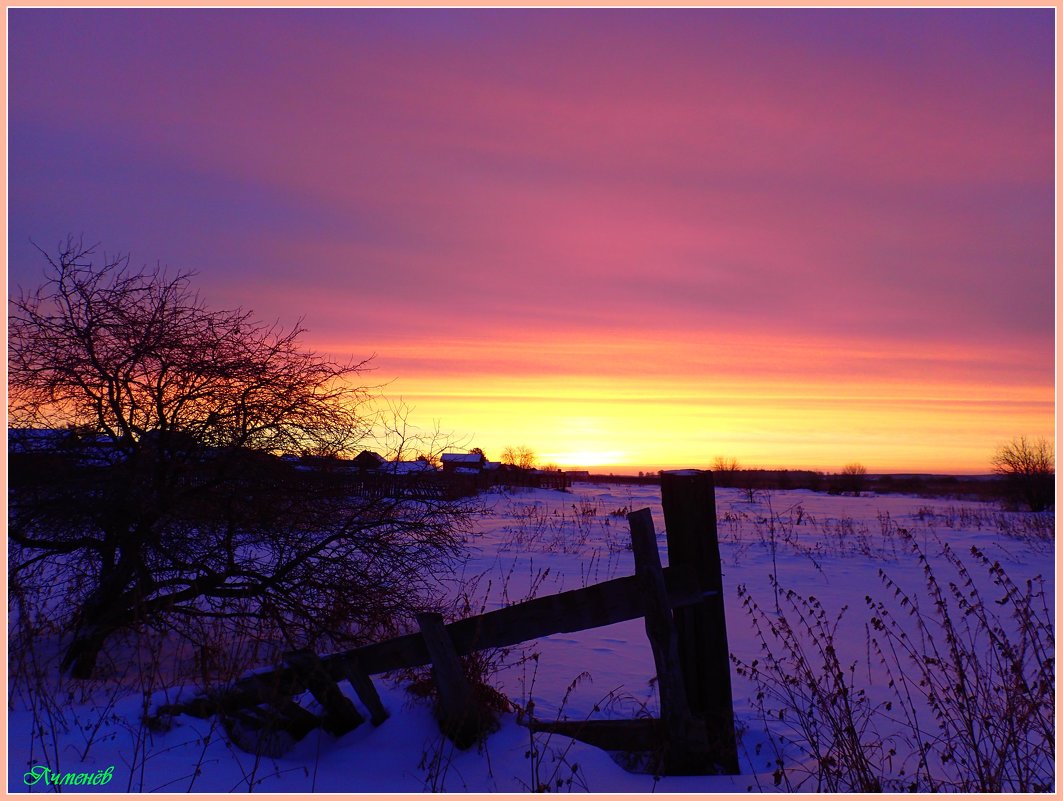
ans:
(630, 238)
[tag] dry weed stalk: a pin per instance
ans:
(968, 701)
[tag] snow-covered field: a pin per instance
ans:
(540, 542)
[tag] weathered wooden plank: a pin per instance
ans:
(459, 717)
(689, 501)
(340, 714)
(575, 610)
(363, 685)
(598, 605)
(638, 734)
(686, 747)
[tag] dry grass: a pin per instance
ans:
(956, 693)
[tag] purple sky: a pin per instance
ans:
(827, 203)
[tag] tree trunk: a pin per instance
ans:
(82, 653)
(105, 611)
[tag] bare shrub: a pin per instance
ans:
(968, 704)
(985, 668)
(853, 478)
(160, 489)
(549, 767)
(805, 691)
(846, 535)
(724, 470)
(1028, 467)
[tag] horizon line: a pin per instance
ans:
(653, 470)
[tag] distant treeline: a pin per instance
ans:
(982, 488)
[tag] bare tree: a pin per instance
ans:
(520, 456)
(166, 500)
(853, 478)
(727, 472)
(725, 469)
(1029, 467)
(402, 440)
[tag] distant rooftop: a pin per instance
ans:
(463, 458)
(407, 468)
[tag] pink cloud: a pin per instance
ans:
(876, 187)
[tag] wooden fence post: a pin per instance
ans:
(686, 749)
(460, 717)
(689, 501)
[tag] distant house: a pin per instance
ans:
(463, 462)
(368, 460)
(416, 467)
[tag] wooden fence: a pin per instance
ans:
(682, 606)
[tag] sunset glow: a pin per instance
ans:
(626, 238)
(767, 418)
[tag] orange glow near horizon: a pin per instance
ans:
(651, 404)
(663, 434)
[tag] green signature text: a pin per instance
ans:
(42, 773)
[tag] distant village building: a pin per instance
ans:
(463, 462)
(416, 467)
(368, 460)
(373, 462)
